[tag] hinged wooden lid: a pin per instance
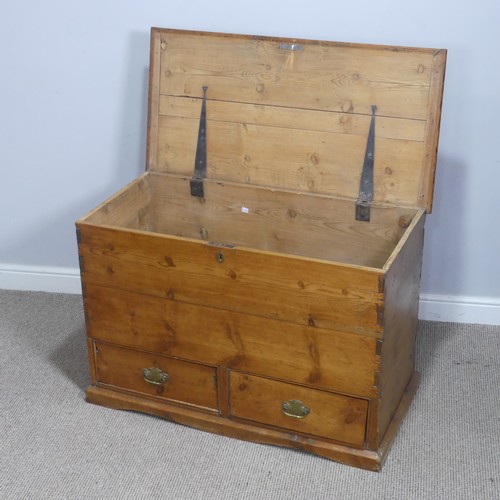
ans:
(295, 114)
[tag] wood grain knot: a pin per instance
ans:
(291, 213)
(168, 328)
(242, 387)
(260, 87)
(404, 221)
(345, 119)
(350, 418)
(232, 274)
(168, 261)
(388, 170)
(311, 320)
(170, 294)
(347, 107)
(314, 376)
(314, 159)
(301, 284)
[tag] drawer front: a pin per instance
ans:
(297, 408)
(158, 376)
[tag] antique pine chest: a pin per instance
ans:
(261, 279)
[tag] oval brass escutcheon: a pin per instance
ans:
(295, 409)
(154, 376)
(219, 257)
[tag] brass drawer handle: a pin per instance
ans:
(154, 376)
(295, 408)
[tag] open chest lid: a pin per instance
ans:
(347, 120)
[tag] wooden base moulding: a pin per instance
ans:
(356, 457)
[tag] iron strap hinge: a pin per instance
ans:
(366, 183)
(200, 161)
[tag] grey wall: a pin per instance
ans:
(73, 95)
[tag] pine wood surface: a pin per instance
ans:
(128, 208)
(278, 221)
(428, 171)
(401, 293)
(331, 416)
(310, 161)
(334, 122)
(295, 119)
(267, 219)
(321, 76)
(190, 383)
(306, 355)
(318, 293)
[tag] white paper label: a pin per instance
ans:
(245, 210)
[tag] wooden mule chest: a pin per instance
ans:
(261, 279)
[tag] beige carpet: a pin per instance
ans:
(54, 445)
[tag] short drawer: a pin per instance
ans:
(297, 408)
(158, 376)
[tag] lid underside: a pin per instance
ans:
(295, 114)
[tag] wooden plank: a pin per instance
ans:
(349, 455)
(321, 76)
(129, 207)
(426, 193)
(331, 416)
(402, 284)
(223, 390)
(188, 383)
(92, 361)
(154, 99)
(308, 355)
(318, 293)
(294, 118)
(279, 221)
(372, 427)
(304, 160)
